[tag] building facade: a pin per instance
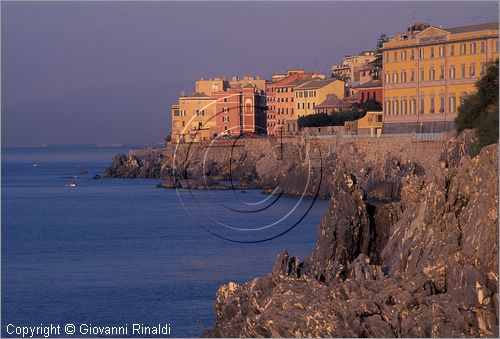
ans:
(220, 106)
(350, 68)
(314, 92)
(280, 101)
(193, 118)
(371, 90)
(427, 71)
(240, 110)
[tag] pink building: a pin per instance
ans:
(240, 110)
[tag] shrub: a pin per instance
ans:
(480, 110)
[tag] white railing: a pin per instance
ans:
(414, 136)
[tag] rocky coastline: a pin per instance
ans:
(400, 253)
(407, 248)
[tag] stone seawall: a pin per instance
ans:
(269, 162)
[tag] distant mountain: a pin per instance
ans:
(129, 113)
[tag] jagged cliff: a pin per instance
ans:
(401, 252)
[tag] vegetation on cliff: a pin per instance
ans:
(480, 110)
(357, 111)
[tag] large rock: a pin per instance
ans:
(399, 254)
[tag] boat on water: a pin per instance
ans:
(35, 164)
(71, 184)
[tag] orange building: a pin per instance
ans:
(280, 100)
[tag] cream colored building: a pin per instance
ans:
(428, 70)
(314, 92)
(349, 69)
(193, 118)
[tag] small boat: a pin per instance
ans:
(35, 164)
(71, 184)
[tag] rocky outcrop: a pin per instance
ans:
(400, 253)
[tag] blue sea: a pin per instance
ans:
(114, 252)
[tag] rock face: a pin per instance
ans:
(400, 253)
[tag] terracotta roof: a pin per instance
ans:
(333, 101)
(314, 84)
(370, 84)
(473, 28)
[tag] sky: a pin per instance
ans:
(107, 72)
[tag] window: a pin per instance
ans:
(403, 76)
(386, 56)
(413, 103)
(387, 78)
(483, 46)
(432, 52)
(403, 55)
(200, 124)
(452, 103)
(452, 72)
(225, 119)
(472, 70)
(395, 106)
(388, 107)
(225, 110)
(176, 112)
(483, 68)
(473, 48)
(174, 124)
(404, 104)
(308, 105)
(463, 49)
(412, 75)
(422, 104)
(314, 105)
(298, 105)
(441, 72)
(412, 54)
(422, 54)
(395, 78)
(422, 74)
(225, 99)
(441, 51)
(462, 71)
(225, 128)
(183, 123)
(432, 74)
(432, 104)
(395, 56)
(379, 117)
(452, 50)
(441, 103)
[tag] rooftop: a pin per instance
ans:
(333, 101)
(314, 84)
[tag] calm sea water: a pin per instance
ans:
(112, 252)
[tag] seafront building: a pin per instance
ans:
(350, 68)
(281, 115)
(219, 106)
(428, 71)
(314, 92)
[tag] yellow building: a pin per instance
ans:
(193, 119)
(371, 123)
(314, 92)
(428, 70)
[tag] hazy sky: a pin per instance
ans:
(82, 73)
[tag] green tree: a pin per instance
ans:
(480, 110)
(377, 63)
